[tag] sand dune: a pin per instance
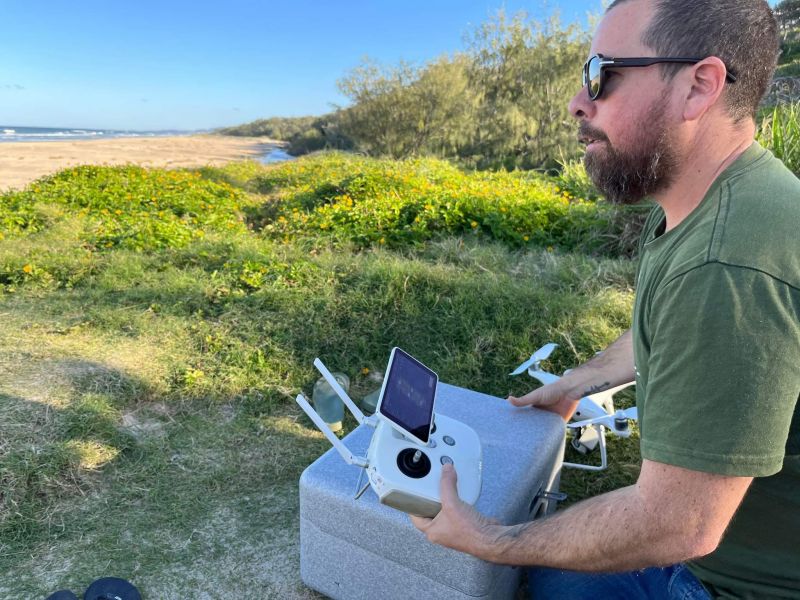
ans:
(22, 162)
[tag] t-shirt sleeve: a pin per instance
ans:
(724, 372)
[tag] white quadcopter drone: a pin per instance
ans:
(595, 413)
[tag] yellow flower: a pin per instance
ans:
(525, 237)
(474, 224)
(382, 241)
(27, 269)
(365, 371)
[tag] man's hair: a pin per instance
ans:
(742, 33)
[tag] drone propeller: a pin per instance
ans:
(615, 421)
(541, 354)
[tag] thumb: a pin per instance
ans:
(448, 486)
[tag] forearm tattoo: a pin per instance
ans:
(598, 388)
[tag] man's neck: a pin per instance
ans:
(703, 163)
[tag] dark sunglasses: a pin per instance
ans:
(594, 77)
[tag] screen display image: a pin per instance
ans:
(409, 394)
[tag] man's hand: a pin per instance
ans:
(458, 525)
(612, 367)
(555, 397)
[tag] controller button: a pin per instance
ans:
(432, 444)
(446, 460)
(448, 440)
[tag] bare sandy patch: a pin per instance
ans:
(23, 162)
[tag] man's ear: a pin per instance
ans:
(706, 81)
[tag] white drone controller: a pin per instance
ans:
(410, 443)
(595, 413)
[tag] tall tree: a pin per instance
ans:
(526, 72)
(405, 111)
(788, 14)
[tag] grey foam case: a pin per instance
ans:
(361, 549)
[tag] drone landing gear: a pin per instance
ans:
(585, 440)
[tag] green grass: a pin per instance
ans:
(780, 132)
(148, 424)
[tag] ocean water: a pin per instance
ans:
(274, 154)
(13, 133)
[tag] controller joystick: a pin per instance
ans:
(413, 463)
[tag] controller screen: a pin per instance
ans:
(409, 394)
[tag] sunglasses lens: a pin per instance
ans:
(592, 76)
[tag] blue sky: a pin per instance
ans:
(192, 65)
(176, 64)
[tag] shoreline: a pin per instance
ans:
(24, 162)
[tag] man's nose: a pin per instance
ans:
(581, 106)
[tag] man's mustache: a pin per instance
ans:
(587, 133)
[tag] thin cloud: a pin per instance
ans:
(11, 86)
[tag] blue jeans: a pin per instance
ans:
(656, 583)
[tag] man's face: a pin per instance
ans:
(630, 153)
(646, 165)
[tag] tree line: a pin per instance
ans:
(501, 103)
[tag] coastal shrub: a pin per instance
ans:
(371, 202)
(780, 132)
(18, 214)
(139, 209)
(573, 178)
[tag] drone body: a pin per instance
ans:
(595, 413)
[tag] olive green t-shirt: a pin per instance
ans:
(717, 351)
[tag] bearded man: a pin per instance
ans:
(668, 112)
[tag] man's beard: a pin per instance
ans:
(628, 176)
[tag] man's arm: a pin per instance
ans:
(670, 515)
(613, 367)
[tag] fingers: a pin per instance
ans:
(516, 401)
(448, 485)
(448, 493)
(421, 523)
(528, 399)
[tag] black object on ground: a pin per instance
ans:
(111, 588)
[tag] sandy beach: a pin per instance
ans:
(22, 162)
